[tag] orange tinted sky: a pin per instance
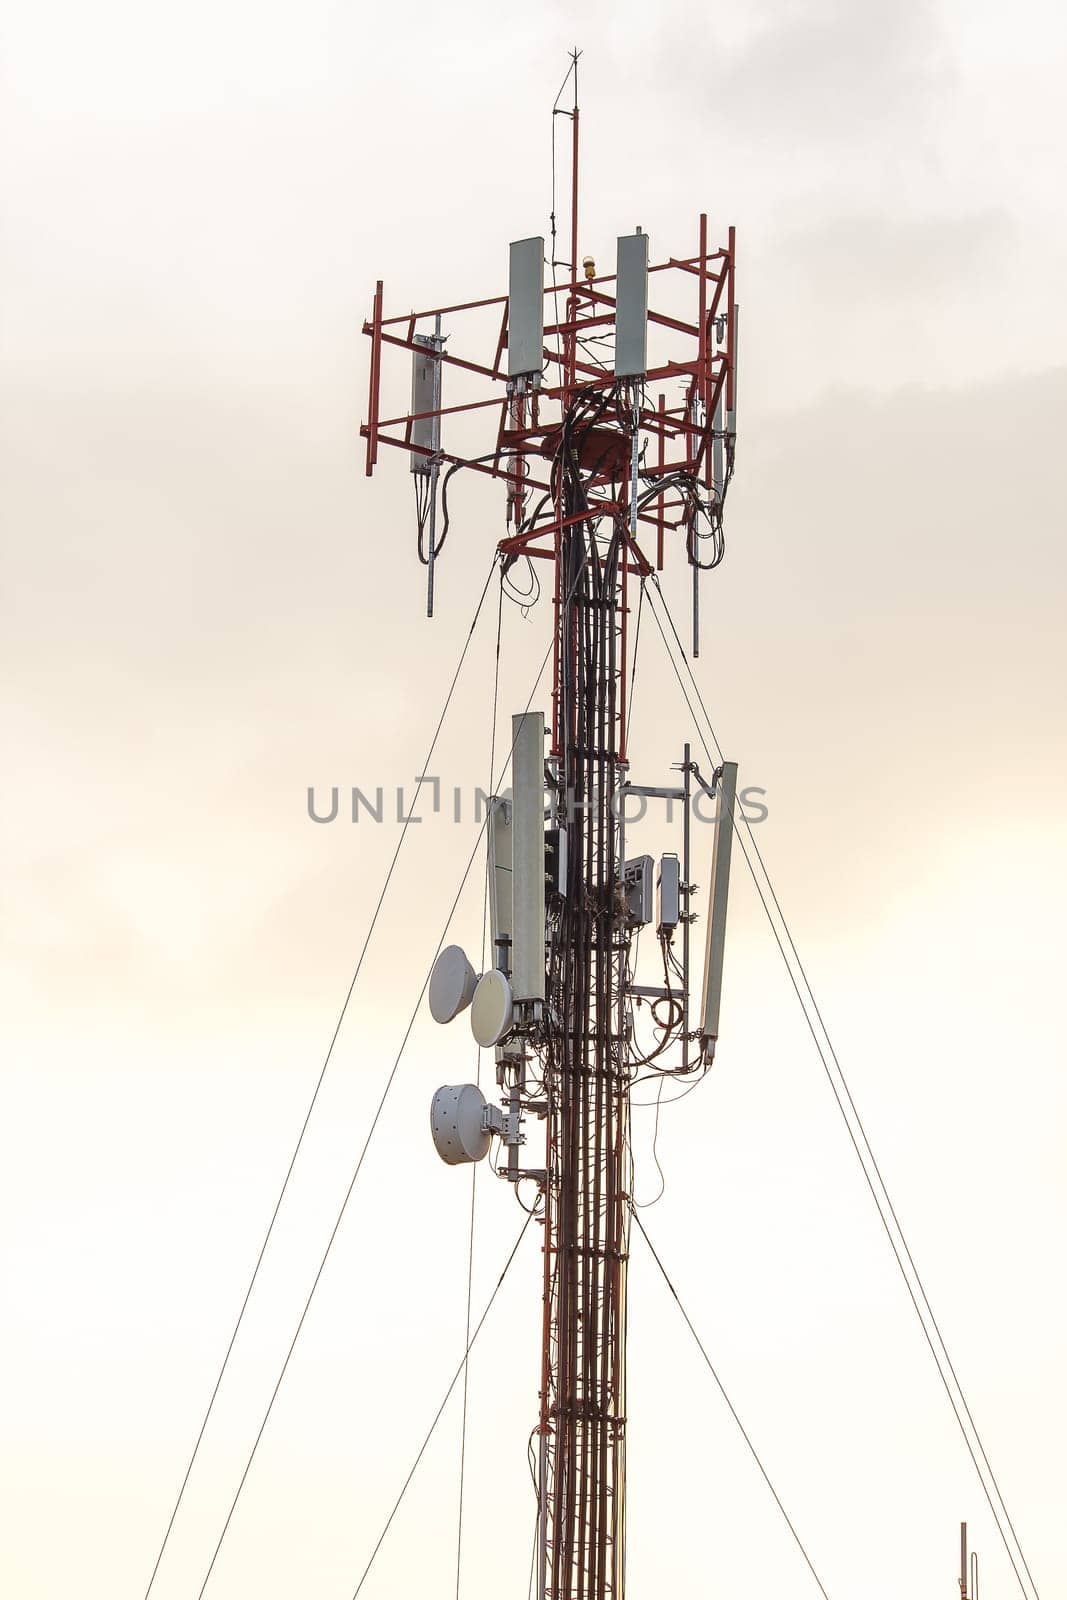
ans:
(208, 607)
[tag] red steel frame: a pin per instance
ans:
(527, 419)
(682, 432)
(683, 442)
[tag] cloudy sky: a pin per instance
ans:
(208, 607)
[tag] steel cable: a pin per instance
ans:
(315, 1092)
(474, 1165)
(440, 1410)
(730, 1406)
(878, 1199)
(366, 1145)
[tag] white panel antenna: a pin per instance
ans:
(718, 477)
(425, 396)
(731, 415)
(528, 856)
(500, 810)
(717, 899)
(668, 895)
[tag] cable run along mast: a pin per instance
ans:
(611, 430)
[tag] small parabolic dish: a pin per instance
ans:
(491, 1008)
(456, 1112)
(452, 984)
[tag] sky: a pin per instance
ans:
(208, 607)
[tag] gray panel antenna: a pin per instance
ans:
(528, 856)
(500, 876)
(631, 306)
(637, 884)
(731, 415)
(717, 898)
(718, 454)
(423, 398)
(526, 308)
(669, 898)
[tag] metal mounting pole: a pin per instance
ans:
(687, 895)
(435, 461)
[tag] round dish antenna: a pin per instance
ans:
(457, 1122)
(491, 1009)
(452, 984)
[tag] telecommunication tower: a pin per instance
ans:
(609, 406)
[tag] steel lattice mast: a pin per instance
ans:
(598, 477)
(588, 1191)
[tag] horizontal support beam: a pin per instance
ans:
(651, 793)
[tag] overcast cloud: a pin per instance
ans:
(208, 607)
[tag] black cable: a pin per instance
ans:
(523, 599)
(318, 1085)
(643, 1205)
(863, 1135)
(533, 1556)
(456, 466)
(730, 1407)
(440, 1410)
(643, 1105)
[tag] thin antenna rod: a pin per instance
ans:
(435, 462)
(572, 314)
(574, 175)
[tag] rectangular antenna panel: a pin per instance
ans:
(717, 898)
(500, 814)
(528, 856)
(669, 897)
(731, 415)
(637, 885)
(631, 306)
(423, 398)
(718, 476)
(526, 308)
(556, 860)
